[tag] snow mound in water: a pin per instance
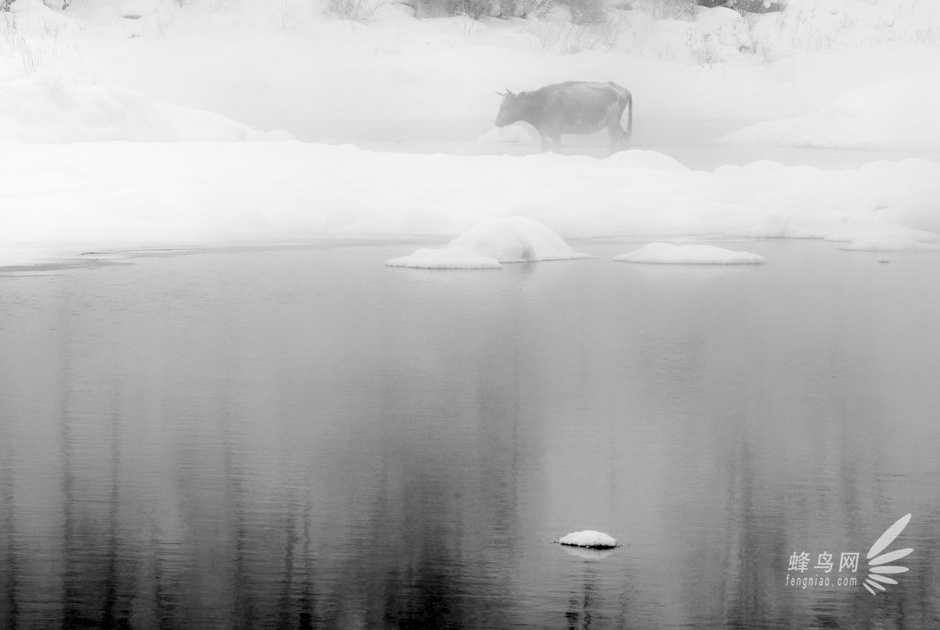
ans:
(589, 538)
(445, 258)
(666, 253)
(510, 133)
(491, 243)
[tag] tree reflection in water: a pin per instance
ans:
(254, 440)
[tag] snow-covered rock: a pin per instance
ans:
(589, 538)
(511, 133)
(667, 253)
(514, 240)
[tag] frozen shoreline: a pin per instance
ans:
(77, 197)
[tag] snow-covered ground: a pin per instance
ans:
(123, 123)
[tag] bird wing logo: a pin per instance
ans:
(878, 563)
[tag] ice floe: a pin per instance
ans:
(667, 253)
(492, 243)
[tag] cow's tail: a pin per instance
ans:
(629, 117)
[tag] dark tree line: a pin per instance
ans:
(584, 11)
(746, 6)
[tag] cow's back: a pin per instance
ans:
(579, 106)
(583, 92)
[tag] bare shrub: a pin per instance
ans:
(582, 11)
(600, 36)
(574, 38)
(588, 11)
(507, 8)
(446, 8)
(362, 11)
(541, 8)
(476, 9)
(758, 6)
(672, 9)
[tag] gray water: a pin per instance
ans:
(697, 144)
(301, 437)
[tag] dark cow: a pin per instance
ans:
(571, 107)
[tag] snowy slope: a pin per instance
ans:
(40, 109)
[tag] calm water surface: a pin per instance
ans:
(302, 437)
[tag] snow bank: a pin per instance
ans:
(666, 253)
(589, 538)
(513, 240)
(129, 195)
(889, 115)
(58, 109)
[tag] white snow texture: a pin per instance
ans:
(589, 538)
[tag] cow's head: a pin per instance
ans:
(508, 109)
